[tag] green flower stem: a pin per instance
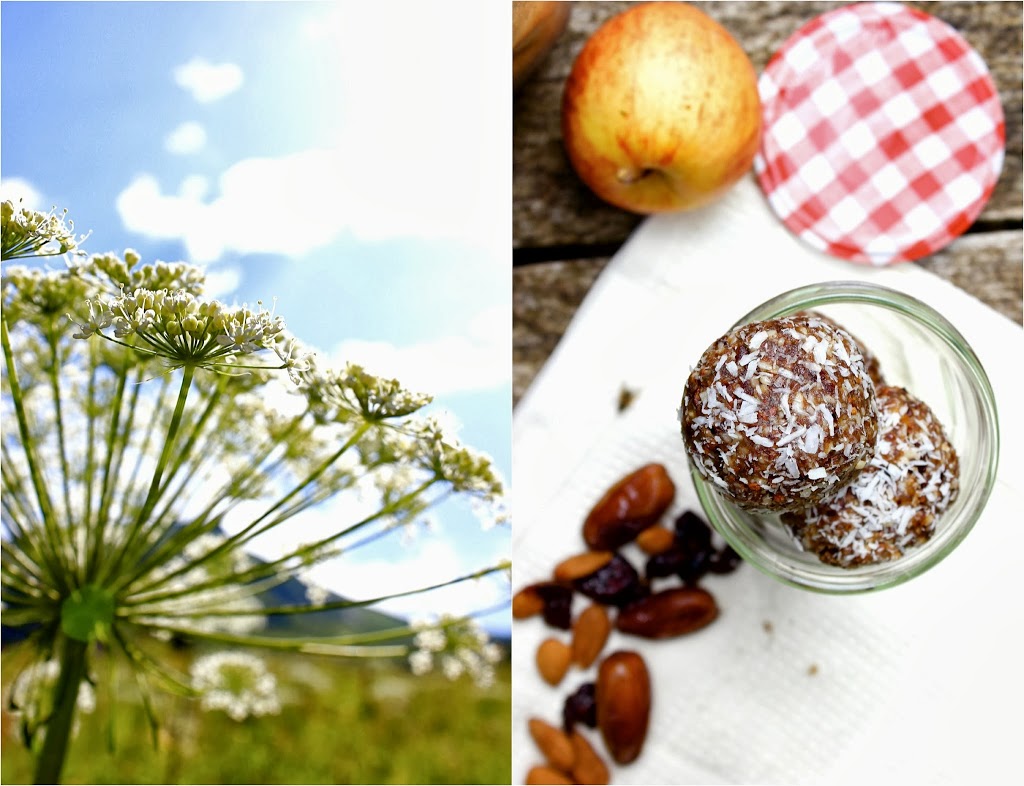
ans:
(24, 525)
(263, 569)
(56, 559)
(153, 494)
(125, 489)
(58, 410)
(247, 533)
(143, 539)
(98, 529)
(406, 630)
(58, 729)
(15, 563)
(308, 646)
(91, 477)
(205, 522)
(147, 664)
(308, 609)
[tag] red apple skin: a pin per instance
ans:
(661, 111)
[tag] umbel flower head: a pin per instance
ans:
(30, 233)
(153, 437)
(237, 683)
(457, 646)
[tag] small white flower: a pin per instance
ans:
(421, 662)
(237, 683)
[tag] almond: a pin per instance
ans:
(589, 635)
(589, 767)
(553, 659)
(527, 603)
(656, 540)
(671, 612)
(623, 697)
(554, 744)
(581, 565)
(633, 504)
(540, 775)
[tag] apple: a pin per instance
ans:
(535, 28)
(661, 111)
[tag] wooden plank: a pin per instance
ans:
(551, 206)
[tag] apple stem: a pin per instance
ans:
(631, 174)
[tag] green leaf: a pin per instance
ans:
(87, 613)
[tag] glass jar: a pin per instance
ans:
(917, 349)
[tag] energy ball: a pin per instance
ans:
(892, 505)
(871, 363)
(780, 414)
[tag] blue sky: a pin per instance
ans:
(350, 159)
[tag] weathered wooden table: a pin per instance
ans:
(563, 235)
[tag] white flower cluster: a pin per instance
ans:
(29, 233)
(353, 391)
(114, 274)
(457, 646)
(177, 325)
(237, 683)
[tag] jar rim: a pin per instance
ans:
(729, 520)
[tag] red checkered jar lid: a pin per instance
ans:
(883, 133)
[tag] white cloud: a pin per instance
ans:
(15, 188)
(208, 82)
(477, 359)
(187, 138)
(419, 150)
(221, 282)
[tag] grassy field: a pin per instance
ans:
(340, 723)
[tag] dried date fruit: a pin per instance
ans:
(589, 766)
(580, 707)
(671, 612)
(553, 658)
(633, 504)
(581, 565)
(616, 584)
(589, 634)
(623, 696)
(553, 743)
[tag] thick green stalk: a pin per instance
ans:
(58, 729)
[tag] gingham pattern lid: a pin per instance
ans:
(883, 133)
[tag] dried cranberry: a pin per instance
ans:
(557, 599)
(665, 564)
(692, 532)
(696, 566)
(580, 707)
(615, 584)
(725, 560)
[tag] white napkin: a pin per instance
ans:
(921, 683)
